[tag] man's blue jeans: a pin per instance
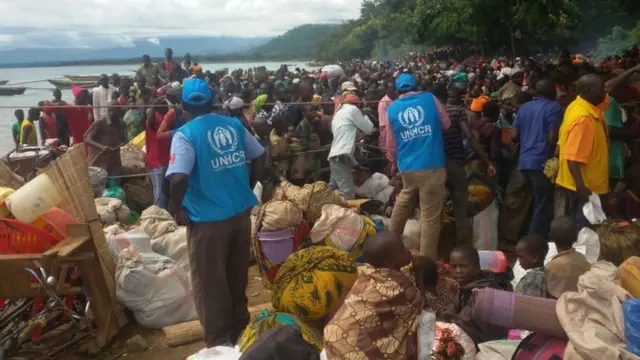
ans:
(157, 177)
(542, 213)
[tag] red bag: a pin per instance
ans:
(540, 347)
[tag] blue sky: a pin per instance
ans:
(107, 23)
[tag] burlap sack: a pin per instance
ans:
(280, 215)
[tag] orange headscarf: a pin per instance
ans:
(478, 103)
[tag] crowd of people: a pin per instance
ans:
(546, 135)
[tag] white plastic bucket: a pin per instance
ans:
(33, 199)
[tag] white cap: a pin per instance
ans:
(348, 86)
(234, 103)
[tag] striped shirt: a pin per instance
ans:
(453, 146)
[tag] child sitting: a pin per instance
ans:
(464, 264)
(531, 251)
(564, 269)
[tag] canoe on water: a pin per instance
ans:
(66, 84)
(82, 78)
(12, 90)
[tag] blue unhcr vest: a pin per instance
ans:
(219, 182)
(416, 125)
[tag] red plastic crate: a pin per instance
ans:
(20, 238)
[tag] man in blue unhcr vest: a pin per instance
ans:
(211, 190)
(414, 136)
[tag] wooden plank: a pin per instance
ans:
(67, 246)
(101, 304)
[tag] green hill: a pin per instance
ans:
(298, 43)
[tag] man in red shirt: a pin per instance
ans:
(79, 116)
(170, 67)
(157, 148)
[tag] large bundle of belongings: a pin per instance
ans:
(597, 320)
(152, 271)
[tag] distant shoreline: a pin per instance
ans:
(137, 61)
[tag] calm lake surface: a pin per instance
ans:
(38, 88)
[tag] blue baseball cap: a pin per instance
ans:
(196, 92)
(406, 82)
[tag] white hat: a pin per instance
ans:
(234, 103)
(348, 86)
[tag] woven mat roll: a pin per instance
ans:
(514, 311)
(191, 331)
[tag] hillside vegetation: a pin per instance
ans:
(300, 42)
(386, 28)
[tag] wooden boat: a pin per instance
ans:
(83, 78)
(4, 82)
(66, 84)
(12, 90)
(29, 158)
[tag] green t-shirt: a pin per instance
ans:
(613, 118)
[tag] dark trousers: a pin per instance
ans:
(219, 256)
(458, 187)
(542, 212)
(576, 210)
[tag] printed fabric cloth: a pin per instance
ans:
(446, 292)
(311, 282)
(378, 320)
(268, 320)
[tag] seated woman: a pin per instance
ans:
(531, 251)
(379, 317)
(464, 263)
(564, 269)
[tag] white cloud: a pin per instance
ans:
(154, 41)
(98, 23)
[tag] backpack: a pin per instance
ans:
(540, 347)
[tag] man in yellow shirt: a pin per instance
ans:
(584, 146)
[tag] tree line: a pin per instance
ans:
(388, 27)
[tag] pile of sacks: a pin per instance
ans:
(153, 286)
(167, 238)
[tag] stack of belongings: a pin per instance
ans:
(151, 285)
(310, 198)
(277, 233)
(307, 290)
(167, 238)
(133, 159)
(598, 321)
(112, 210)
(483, 210)
(344, 229)
(377, 188)
(619, 240)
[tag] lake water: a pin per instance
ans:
(38, 88)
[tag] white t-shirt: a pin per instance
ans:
(101, 98)
(344, 126)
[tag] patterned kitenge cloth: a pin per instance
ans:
(268, 320)
(378, 320)
(311, 282)
(446, 291)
